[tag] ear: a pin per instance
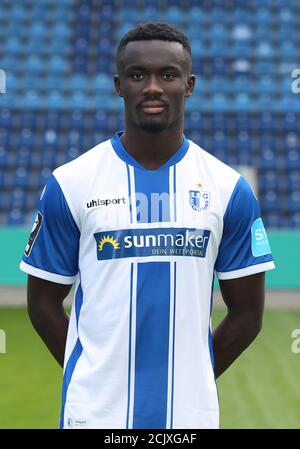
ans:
(190, 85)
(117, 83)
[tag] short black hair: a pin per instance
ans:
(154, 31)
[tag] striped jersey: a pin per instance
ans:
(142, 248)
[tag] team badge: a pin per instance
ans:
(199, 200)
(34, 233)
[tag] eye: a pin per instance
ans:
(169, 76)
(136, 76)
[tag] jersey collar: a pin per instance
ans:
(126, 157)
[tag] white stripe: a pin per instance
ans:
(133, 197)
(171, 330)
(171, 193)
(48, 276)
(132, 351)
(253, 269)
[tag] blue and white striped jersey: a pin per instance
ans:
(142, 247)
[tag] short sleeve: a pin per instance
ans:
(244, 248)
(52, 249)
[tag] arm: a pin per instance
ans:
(46, 312)
(244, 298)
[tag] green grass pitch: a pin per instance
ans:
(261, 390)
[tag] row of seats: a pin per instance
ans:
(54, 52)
(204, 86)
(261, 13)
(103, 119)
(218, 102)
(60, 66)
(251, 141)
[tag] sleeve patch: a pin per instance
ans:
(34, 233)
(259, 240)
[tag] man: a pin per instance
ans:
(140, 223)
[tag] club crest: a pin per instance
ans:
(199, 200)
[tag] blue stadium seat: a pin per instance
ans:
(173, 15)
(293, 201)
(220, 102)
(128, 14)
(293, 180)
(290, 121)
(77, 100)
(218, 47)
(196, 15)
(57, 64)
(263, 15)
(15, 218)
(265, 49)
(6, 118)
(241, 49)
(294, 220)
(76, 119)
(292, 159)
(242, 102)
(54, 100)
(272, 220)
(241, 66)
(270, 201)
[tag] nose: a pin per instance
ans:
(153, 86)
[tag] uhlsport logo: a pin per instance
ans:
(199, 200)
(152, 242)
(98, 202)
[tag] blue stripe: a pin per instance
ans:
(76, 353)
(129, 192)
(152, 345)
(129, 349)
(210, 338)
(152, 195)
(174, 190)
(173, 353)
(78, 302)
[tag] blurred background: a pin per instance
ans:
(57, 100)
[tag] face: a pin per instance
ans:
(154, 80)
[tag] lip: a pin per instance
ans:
(153, 109)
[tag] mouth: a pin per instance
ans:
(153, 108)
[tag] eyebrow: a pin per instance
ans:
(138, 67)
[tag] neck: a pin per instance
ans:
(152, 149)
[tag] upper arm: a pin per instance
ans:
(41, 293)
(245, 295)
(244, 249)
(53, 246)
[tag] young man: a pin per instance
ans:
(140, 223)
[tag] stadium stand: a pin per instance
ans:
(60, 100)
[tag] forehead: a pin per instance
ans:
(154, 54)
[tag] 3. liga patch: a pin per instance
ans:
(34, 233)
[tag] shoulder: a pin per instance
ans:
(220, 178)
(83, 165)
(214, 165)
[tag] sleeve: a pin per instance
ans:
(52, 249)
(244, 248)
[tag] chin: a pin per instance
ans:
(153, 127)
